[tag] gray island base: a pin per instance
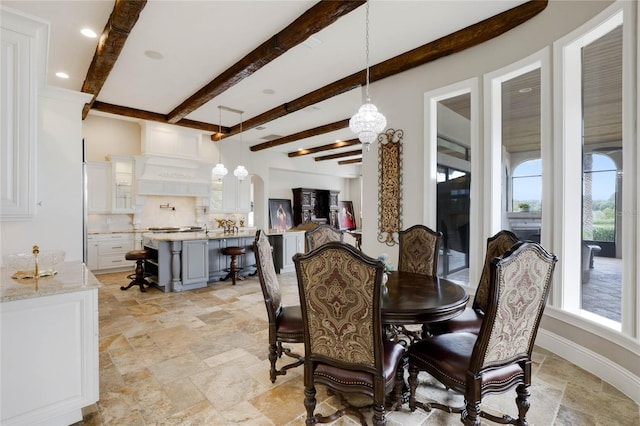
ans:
(190, 260)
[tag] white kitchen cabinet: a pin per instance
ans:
(111, 251)
(49, 349)
(92, 252)
(23, 59)
(122, 184)
(236, 195)
(98, 187)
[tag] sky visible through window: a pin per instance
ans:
(527, 186)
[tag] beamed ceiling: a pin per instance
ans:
(295, 68)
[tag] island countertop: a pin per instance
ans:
(186, 236)
(72, 276)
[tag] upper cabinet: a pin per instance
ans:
(230, 195)
(122, 181)
(23, 59)
(98, 187)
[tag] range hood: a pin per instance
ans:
(173, 176)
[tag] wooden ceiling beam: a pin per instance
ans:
(153, 116)
(316, 18)
(339, 155)
(329, 147)
(124, 16)
(351, 161)
(338, 125)
(465, 38)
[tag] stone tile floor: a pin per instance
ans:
(200, 358)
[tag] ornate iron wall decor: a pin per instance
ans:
(389, 186)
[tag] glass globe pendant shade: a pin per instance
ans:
(367, 123)
(219, 171)
(240, 172)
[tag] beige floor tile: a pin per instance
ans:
(200, 358)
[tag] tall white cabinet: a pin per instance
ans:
(23, 42)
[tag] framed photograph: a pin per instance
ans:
(280, 214)
(346, 216)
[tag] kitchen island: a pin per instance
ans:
(48, 346)
(189, 260)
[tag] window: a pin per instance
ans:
(527, 187)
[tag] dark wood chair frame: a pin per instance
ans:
(285, 322)
(471, 319)
(336, 374)
(406, 233)
(321, 231)
(503, 372)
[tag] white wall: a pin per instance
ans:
(58, 221)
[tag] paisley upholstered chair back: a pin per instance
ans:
(322, 235)
(267, 275)
(419, 248)
(497, 246)
(340, 299)
(518, 293)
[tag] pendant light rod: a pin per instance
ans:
(367, 123)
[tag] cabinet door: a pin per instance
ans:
(92, 253)
(217, 261)
(195, 262)
(229, 193)
(122, 185)
(291, 246)
(98, 187)
(236, 194)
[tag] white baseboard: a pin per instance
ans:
(617, 376)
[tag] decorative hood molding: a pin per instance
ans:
(173, 176)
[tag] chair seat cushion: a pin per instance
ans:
(393, 353)
(289, 323)
(447, 358)
(469, 321)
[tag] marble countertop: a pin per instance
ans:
(186, 236)
(71, 276)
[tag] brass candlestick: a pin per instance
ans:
(36, 250)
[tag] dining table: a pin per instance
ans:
(410, 299)
(414, 299)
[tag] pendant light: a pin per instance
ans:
(220, 171)
(367, 123)
(240, 172)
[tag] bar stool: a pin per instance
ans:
(234, 252)
(139, 276)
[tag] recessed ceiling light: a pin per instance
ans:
(260, 128)
(268, 91)
(152, 54)
(61, 74)
(88, 32)
(525, 90)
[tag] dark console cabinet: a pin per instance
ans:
(315, 205)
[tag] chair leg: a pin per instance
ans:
(413, 385)
(273, 356)
(522, 401)
(138, 278)
(471, 414)
(310, 404)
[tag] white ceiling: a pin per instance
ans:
(200, 39)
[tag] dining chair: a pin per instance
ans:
(471, 318)
(418, 250)
(285, 322)
(322, 234)
(340, 291)
(499, 357)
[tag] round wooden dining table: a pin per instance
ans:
(417, 299)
